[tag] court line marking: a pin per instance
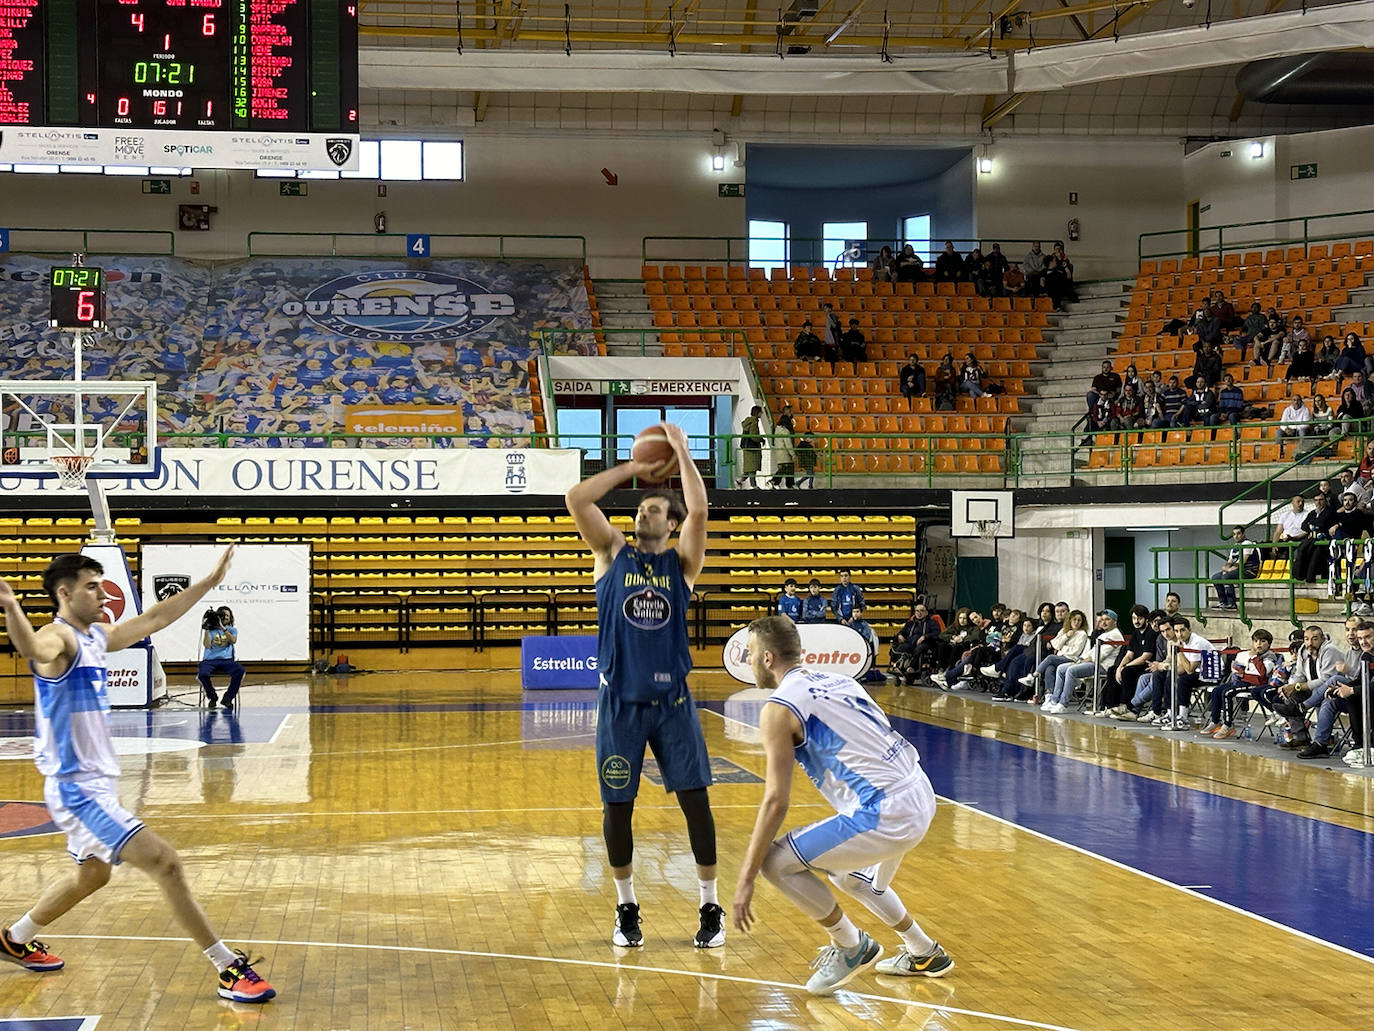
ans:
(601, 964)
(1160, 880)
(972, 807)
(273, 817)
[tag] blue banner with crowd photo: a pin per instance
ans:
(285, 345)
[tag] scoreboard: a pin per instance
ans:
(208, 83)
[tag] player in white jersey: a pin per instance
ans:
(883, 801)
(74, 753)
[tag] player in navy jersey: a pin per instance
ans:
(74, 753)
(883, 802)
(642, 593)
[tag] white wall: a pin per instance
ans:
(1238, 188)
(1053, 565)
(1124, 187)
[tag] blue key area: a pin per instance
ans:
(49, 1024)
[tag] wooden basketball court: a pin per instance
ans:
(422, 849)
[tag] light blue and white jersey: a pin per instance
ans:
(72, 737)
(850, 751)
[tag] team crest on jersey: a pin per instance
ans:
(648, 610)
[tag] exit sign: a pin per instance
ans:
(294, 189)
(1303, 171)
(729, 189)
(618, 386)
(157, 186)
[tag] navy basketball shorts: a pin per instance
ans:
(669, 727)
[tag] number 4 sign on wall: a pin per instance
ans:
(417, 245)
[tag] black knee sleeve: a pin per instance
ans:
(701, 825)
(616, 820)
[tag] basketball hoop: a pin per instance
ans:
(988, 529)
(71, 470)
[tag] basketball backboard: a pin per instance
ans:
(982, 513)
(113, 422)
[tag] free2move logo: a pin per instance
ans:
(405, 305)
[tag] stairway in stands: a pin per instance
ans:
(623, 304)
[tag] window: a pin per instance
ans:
(696, 423)
(628, 423)
(401, 160)
(836, 236)
(443, 159)
(767, 243)
(369, 161)
(581, 427)
(916, 231)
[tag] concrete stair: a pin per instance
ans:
(623, 304)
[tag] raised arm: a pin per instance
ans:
(581, 501)
(691, 535)
(167, 611)
(41, 647)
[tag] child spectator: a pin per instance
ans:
(789, 604)
(813, 606)
(1250, 673)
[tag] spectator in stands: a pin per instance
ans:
(1364, 472)
(1360, 388)
(1326, 356)
(1352, 357)
(1017, 644)
(1104, 645)
(1230, 400)
(853, 348)
(1206, 367)
(1223, 311)
(909, 266)
(1208, 327)
(946, 383)
(1014, 280)
(971, 376)
(1129, 410)
(784, 455)
(1250, 674)
(804, 447)
(1138, 651)
(750, 448)
(911, 379)
(1314, 666)
(1323, 420)
(1342, 698)
(1173, 604)
(1297, 334)
(1147, 693)
(814, 605)
(952, 637)
(908, 642)
(999, 263)
(789, 603)
(1189, 648)
(1059, 278)
(885, 266)
(1131, 377)
(807, 344)
(1171, 401)
(1310, 557)
(1268, 343)
(1302, 364)
(1107, 379)
(847, 605)
(1350, 412)
(1200, 408)
(1033, 265)
(1068, 647)
(987, 282)
(1287, 523)
(1251, 327)
(1153, 409)
(1294, 422)
(1242, 562)
(949, 266)
(830, 342)
(1101, 416)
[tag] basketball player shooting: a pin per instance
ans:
(642, 594)
(75, 754)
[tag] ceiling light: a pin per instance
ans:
(984, 165)
(718, 162)
(1257, 149)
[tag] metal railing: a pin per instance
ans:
(1305, 229)
(506, 246)
(1202, 553)
(56, 240)
(800, 251)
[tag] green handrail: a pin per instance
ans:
(1199, 579)
(399, 251)
(804, 250)
(1222, 246)
(107, 246)
(1268, 485)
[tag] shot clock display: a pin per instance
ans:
(77, 299)
(287, 66)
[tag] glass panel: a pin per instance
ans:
(401, 160)
(369, 162)
(835, 236)
(696, 423)
(916, 231)
(767, 243)
(628, 422)
(443, 160)
(581, 427)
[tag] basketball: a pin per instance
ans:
(651, 445)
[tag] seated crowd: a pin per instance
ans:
(992, 274)
(1154, 670)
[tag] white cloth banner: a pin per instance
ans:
(1337, 27)
(345, 472)
(267, 589)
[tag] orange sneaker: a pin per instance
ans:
(32, 955)
(239, 982)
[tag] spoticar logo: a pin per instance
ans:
(615, 772)
(405, 305)
(186, 149)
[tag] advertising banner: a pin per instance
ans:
(558, 663)
(826, 647)
(178, 147)
(134, 676)
(267, 589)
(345, 472)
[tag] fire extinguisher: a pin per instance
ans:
(1073, 229)
(379, 222)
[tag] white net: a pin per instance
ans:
(71, 470)
(988, 529)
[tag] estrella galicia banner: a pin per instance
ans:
(561, 663)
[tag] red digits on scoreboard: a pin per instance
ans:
(207, 25)
(136, 20)
(123, 106)
(85, 306)
(159, 107)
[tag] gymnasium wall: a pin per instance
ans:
(552, 183)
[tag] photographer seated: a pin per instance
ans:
(218, 636)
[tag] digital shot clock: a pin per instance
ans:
(77, 298)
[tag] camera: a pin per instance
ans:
(210, 621)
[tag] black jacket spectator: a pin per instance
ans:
(1107, 380)
(852, 345)
(1303, 364)
(1201, 407)
(911, 379)
(807, 344)
(949, 266)
(1206, 368)
(910, 268)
